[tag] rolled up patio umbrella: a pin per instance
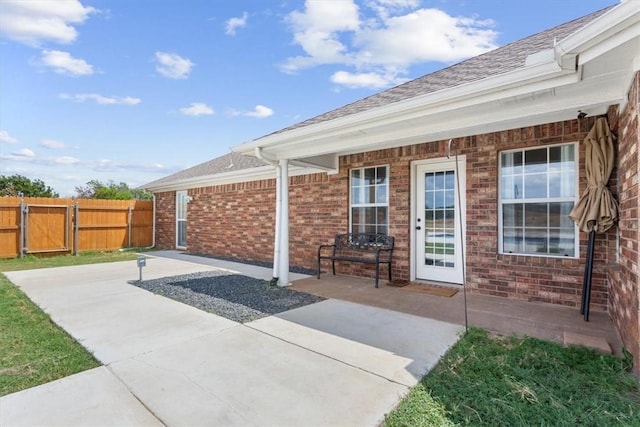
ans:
(597, 209)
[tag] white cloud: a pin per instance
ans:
(173, 66)
(6, 138)
(24, 152)
(64, 63)
(53, 144)
(260, 112)
(112, 165)
(234, 23)
(101, 165)
(197, 109)
(65, 160)
(317, 30)
(365, 80)
(424, 35)
(33, 22)
(100, 99)
(382, 41)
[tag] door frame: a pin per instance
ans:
(462, 172)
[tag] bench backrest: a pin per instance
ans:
(363, 241)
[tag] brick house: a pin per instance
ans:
(511, 122)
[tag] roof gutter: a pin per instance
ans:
(492, 87)
(544, 71)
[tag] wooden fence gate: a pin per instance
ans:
(33, 225)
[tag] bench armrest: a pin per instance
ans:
(389, 250)
(325, 246)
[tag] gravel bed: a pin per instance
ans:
(234, 296)
(292, 268)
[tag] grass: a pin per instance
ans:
(30, 262)
(34, 350)
(498, 381)
(482, 381)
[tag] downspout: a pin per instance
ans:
(284, 224)
(276, 243)
(153, 226)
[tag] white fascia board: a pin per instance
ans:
(624, 15)
(551, 72)
(561, 103)
(611, 43)
(514, 82)
(243, 175)
(340, 139)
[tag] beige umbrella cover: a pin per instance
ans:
(597, 210)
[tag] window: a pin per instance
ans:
(181, 218)
(537, 191)
(370, 200)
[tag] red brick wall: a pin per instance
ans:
(237, 220)
(233, 220)
(166, 220)
(623, 279)
(552, 280)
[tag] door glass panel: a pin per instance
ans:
(439, 224)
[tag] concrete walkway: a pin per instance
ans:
(334, 363)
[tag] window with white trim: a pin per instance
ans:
(369, 207)
(182, 199)
(538, 189)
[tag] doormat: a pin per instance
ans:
(440, 291)
(398, 283)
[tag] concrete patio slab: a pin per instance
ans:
(188, 367)
(397, 346)
(111, 318)
(255, 271)
(241, 376)
(90, 398)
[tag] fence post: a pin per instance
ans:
(76, 228)
(21, 245)
(129, 220)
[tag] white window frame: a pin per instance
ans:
(547, 199)
(181, 194)
(362, 189)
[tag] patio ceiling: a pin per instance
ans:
(589, 71)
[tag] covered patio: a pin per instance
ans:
(550, 322)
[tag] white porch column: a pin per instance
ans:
(276, 243)
(284, 224)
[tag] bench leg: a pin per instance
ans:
(377, 273)
(318, 268)
(389, 267)
(333, 266)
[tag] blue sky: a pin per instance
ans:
(132, 91)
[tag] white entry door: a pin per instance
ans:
(437, 221)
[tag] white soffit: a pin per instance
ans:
(589, 70)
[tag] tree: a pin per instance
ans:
(18, 185)
(98, 190)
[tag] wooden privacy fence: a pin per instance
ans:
(33, 225)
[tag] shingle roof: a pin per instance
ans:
(227, 163)
(498, 61)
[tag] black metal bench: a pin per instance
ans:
(366, 248)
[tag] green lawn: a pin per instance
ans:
(33, 350)
(30, 262)
(482, 381)
(497, 381)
